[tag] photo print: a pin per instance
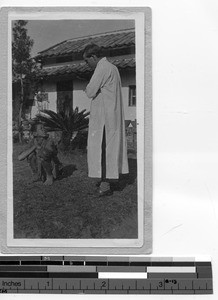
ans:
(77, 126)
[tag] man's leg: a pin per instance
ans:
(104, 188)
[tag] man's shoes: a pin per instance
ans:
(105, 193)
(98, 193)
(104, 189)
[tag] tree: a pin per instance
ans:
(22, 64)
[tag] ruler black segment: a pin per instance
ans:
(22, 268)
(172, 275)
(48, 275)
(141, 263)
(162, 264)
(118, 263)
(73, 275)
(203, 269)
(24, 274)
(6, 262)
(71, 269)
(75, 263)
(183, 264)
(51, 263)
(96, 263)
(203, 263)
(10, 258)
(30, 258)
(31, 262)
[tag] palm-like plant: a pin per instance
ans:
(69, 123)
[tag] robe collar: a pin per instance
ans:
(101, 60)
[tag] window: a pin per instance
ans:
(132, 95)
(42, 102)
(64, 96)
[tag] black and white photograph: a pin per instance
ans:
(77, 131)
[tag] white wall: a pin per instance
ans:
(50, 87)
(128, 78)
(80, 99)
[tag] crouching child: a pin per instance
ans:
(42, 156)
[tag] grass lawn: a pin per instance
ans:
(68, 208)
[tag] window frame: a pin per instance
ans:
(132, 103)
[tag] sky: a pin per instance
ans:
(47, 33)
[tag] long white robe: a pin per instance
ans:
(106, 110)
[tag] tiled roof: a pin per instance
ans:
(115, 39)
(82, 68)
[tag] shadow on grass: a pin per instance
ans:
(126, 179)
(67, 171)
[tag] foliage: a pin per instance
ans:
(21, 50)
(70, 124)
(24, 68)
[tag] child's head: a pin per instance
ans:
(38, 130)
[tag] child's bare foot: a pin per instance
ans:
(49, 180)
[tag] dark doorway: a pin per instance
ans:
(65, 96)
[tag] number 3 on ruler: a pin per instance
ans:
(160, 284)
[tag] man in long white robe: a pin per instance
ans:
(107, 123)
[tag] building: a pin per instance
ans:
(65, 75)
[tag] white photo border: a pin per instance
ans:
(142, 17)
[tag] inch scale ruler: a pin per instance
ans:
(104, 275)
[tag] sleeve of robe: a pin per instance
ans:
(96, 82)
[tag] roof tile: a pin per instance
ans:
(106, 40)
(81, 68)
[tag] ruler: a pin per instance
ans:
(104, 275)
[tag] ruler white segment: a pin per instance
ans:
(115, 275)
(182, 259)
(160, 259)
(200, 258)
(71, 269)
(171, 269)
